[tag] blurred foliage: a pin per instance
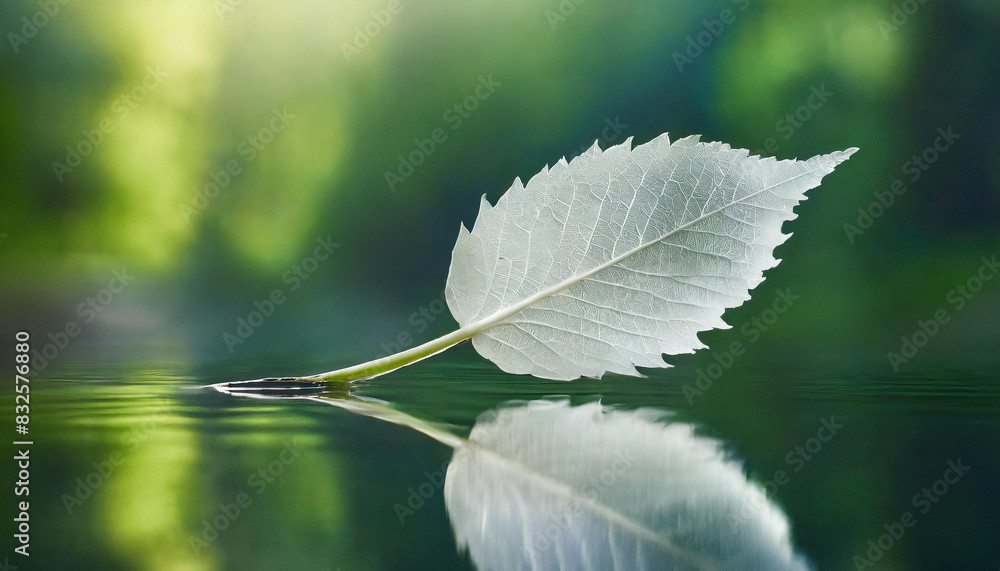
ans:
(155, 195)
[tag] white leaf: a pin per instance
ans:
(549, 486)
(614, 259)
(622, 255)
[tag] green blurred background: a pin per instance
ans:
(188, 89)
(563, 81)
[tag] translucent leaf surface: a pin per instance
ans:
(622, 255)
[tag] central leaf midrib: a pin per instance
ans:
(604, 511)
(494, 319)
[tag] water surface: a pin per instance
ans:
(135, 468)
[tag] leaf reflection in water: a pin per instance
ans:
(547, 485)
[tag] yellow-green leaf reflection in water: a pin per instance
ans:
(149, 504)
(167, 501)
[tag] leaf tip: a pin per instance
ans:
(841, 156)
(689, 141)
(484, 208)
(663, 139)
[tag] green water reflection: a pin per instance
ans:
(316, 486)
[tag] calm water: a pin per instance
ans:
(131, 463)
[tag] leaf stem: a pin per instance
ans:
(386, 412)
(388, 364)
